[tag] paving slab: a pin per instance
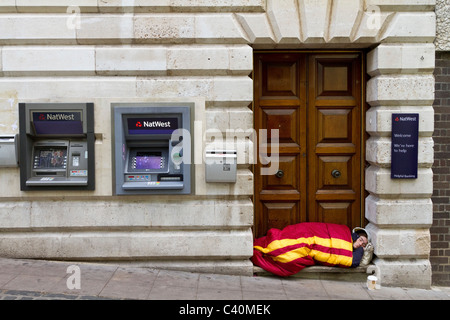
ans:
(22, 279)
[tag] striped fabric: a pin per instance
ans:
(286, 252)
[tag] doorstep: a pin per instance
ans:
(327, 273)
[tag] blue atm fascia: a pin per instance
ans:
(152, 148)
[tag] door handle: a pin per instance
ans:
(336, 173)
(279, 174)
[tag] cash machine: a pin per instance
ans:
(152, 149)
(56, 146)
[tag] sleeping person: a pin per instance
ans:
(359, 243)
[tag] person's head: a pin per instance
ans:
(360, 242)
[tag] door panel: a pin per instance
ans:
(286, 121)
(334, 145)
(277, 214)
(314, 100)
(280, 103)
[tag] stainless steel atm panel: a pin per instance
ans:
(56, 146)
(152, 150)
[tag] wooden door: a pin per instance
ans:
(314, 100)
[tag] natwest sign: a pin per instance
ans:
(152, 125)
(157, 124)
(56, 116)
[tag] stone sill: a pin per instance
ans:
(324, 272)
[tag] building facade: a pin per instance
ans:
(242, 66)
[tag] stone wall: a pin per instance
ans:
(400, 211)
(201, 51)
(129, 51)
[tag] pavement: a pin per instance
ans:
(22, 279)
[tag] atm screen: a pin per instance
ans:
(148, 160)
(50, 158)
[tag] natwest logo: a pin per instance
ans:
(60, 116)
(147, 125)
(156, 124)
(56, 116)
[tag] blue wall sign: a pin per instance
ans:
(405, 140)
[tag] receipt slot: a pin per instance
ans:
(152, 149)
(56, 148)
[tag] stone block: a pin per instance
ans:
(14, 215)
(122, 245)
(209, 60)
(131, 60)
(232, 91)
(175, 87)
(36, 29)
(218, 91)
(9, 123)
(40, 60)
(217, 122)
(400, 243)
(378, 151)
(415, 273)
(370, 25)
(343, 17)
(105, 29)
(220, 120)
(442, 41)
(379, 183)
(241, 119)
(106, 215)
(314, 20)
(218, 28)
(401, 213)
(279, 12)
(379, 119)
(257, 27)
(188, 28)
(160, 28)
(241, 60)
(397, 90)
(198, 60)
(401, 58)
(411, 27)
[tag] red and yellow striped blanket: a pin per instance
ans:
(286, 252)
